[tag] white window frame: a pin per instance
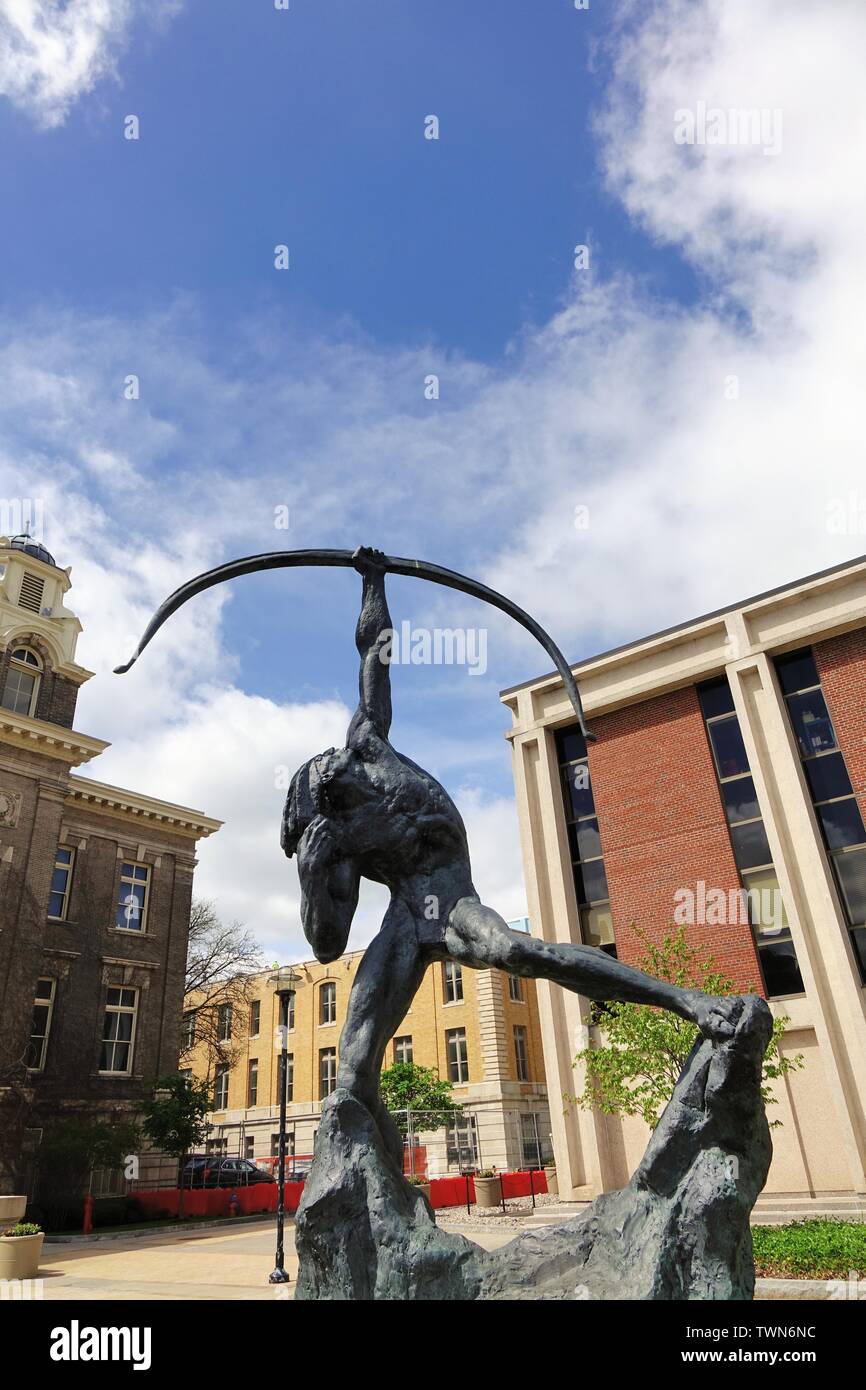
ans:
(29, 667)
(225, 1015)
(130, 897)
(69, 868)
(461, 1060)
(327, 992)
(223, 1072)
(187, 1030)
(39, 1003)
(331, 1054)
(452, 982)
(115, 1009)
(515, 989)
(406, 1039)
(521, 1051)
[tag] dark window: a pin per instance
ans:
(716, 698)
(118, 1031)
(836, 807)
(751, 847)
(328, 1002)
(452, 982)
(61, 883)
(762, 907)
(741, 801)
(571, 745)
(131, 912)
(225, 1022)
(728, 747)
(827, 777)
(458, 1056)
(584, 840)
(255, 1018)
(290, 1077)
(221, 1087)
(40, 1024)
(780, 969)
(851, 874)
(797, 671)
(253, 1081)
(842, 823)
(515, 989)
(812, 723)
(521, 1056)
(462, 1144)
(291, 1010)
(327, 1071)
(403, 1049)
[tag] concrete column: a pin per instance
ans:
(818, 928)
(492, 1027)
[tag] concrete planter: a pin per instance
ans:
(19, 1256)
(488, 1192)
(552, 1181)
(12, 1209)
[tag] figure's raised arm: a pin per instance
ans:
(373, 638)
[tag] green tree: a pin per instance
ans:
(634, 1068)
(175, 1118)
(407, 1086)
(70, 1149)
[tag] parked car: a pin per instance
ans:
(217, 1171)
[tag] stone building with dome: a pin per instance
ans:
(95, 880)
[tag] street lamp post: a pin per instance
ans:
(284, 983)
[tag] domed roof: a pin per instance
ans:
(31, 547)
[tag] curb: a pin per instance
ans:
(219, 1222)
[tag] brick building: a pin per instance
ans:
(95, 881)
(478, 1028)
(727, 790)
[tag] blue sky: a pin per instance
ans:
(306, 126)
(608, 387)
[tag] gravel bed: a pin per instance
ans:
(515, 1213)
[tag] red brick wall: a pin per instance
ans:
(662, 827)
(841, 665)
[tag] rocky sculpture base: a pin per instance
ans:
(679, 1230)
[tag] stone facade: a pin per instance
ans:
(66, 843)
(492, 1091)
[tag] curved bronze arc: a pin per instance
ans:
(392, 564)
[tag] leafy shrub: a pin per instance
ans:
(820, 1248)
(23, 1228)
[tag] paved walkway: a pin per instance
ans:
(172, 1265)
(230, 1264)
(199, 1264)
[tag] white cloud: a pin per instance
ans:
(697, 496)
(52, 52)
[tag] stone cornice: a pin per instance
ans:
(52, 740)
(85, 794)
(822, 605)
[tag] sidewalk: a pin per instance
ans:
(198, 1264)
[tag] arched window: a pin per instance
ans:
(21, 690)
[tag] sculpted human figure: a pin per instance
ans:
(368, 811)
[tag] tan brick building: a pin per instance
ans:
(727, 791)
(477, 1028)
(95, 881)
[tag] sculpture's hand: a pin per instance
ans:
(317, 847)
(369, 561)
(715, 1015)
